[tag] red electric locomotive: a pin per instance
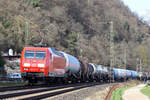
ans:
(42, 62)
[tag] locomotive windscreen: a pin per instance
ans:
(29, 54)
(40, 54)
(34, 54)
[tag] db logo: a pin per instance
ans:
(33, 65)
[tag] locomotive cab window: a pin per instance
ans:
(34, 54)
(40, 54)
(29, 54)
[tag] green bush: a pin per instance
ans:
(72, 42)
(126, 26)
(6, 21)
(34, 3)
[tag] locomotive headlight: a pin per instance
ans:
(26, 65)
(40, 65)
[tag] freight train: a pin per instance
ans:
(50, 65)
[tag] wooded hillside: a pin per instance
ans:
(79, 27)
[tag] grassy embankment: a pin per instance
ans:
(11, 84)
(117, 94)
(146, 91)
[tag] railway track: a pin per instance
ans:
(10, 88)
(23, 87)
(45, 92)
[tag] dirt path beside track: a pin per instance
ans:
(134, 93)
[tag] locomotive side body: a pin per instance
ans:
(56, 63)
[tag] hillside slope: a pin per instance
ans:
(79, 27)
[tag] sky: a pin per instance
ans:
(141, 7)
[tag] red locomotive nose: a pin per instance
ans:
(33, 60)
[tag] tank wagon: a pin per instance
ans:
(72, 67)
(86, 71)
(133, 74)
(49, 65)
(128, 74)
(104, 73)
(139, 75)
(119, 74)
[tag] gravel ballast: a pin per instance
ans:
(97, 92)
